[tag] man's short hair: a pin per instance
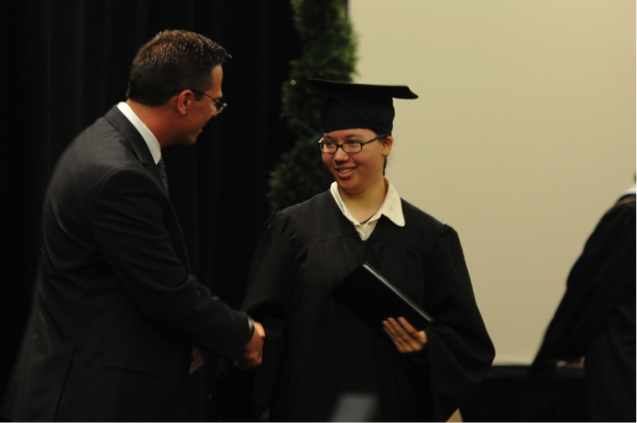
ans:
(171, 62)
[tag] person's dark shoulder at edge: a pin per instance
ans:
(620, 216)
(625, 205)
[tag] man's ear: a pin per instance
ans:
(185, 100)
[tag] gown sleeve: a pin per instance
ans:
(269, 291)
(459, 348)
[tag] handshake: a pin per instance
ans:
(252, 352)
(251, 355)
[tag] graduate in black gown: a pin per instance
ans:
(595, 320)
(315, 349)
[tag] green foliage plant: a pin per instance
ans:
(328, 52)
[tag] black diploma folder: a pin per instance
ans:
(372, 298)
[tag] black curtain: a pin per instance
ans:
(64, 64)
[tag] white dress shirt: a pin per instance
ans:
(391, 208)
(151, 141)
(631, 190)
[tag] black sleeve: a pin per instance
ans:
(128, 228)
(459, 348)
(271, 274)
(270, 289)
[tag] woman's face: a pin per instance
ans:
(355, 172)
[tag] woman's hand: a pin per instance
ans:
(407, 339)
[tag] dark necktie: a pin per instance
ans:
(162, 172)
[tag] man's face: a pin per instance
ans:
(203, 110)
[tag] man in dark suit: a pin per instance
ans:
(116, 312)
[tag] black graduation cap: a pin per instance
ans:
(360, 105)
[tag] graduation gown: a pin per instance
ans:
(595, 320)
(315, 350)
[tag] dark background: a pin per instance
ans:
(64, 64)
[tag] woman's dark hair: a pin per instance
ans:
(171, 62)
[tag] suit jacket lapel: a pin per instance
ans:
(116, 118)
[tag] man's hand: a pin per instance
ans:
(253, 350)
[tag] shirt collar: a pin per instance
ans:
(391, 208)
(151, 140)
(631, 190)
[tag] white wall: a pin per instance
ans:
(523, 136)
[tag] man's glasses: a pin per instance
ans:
(350, 147)
(219, 105)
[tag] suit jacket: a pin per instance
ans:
(115, 310)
